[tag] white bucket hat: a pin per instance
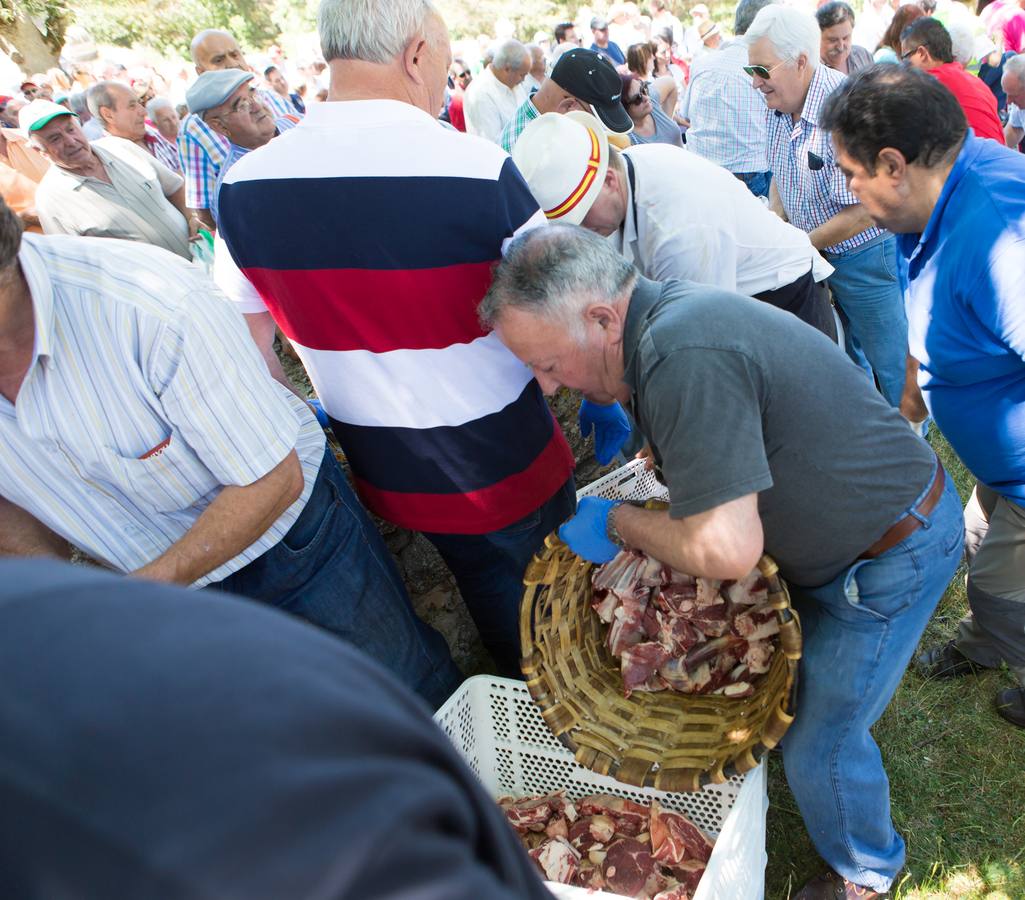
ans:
(564, 159)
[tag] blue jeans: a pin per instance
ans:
(489, 570)
(860, 631)
(865, 286)
(333, 569)
(757, 182)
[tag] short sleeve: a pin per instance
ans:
(995, 298)
(232, 282)
(702, 410)
(219, 394)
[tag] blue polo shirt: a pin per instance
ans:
(966, 312)
(612, 51)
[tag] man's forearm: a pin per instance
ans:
(22, 534)
(776, 202)
(205, 217)
(851, 220)
(237, 517)
(721, 543)
(262, 330)
(1013, 136)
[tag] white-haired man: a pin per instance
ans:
(808, 188)
(445, 431)
(673, 214)
(163, 115)
(809, 463)
(1013, 83)
(494, 96)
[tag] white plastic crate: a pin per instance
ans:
(495, 725)
(630, 482)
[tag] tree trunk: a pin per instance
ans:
(26, 45)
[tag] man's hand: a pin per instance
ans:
(587, 532)
(611, 428)
(29, 217)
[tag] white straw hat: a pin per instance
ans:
(564, 159)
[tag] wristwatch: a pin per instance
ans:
(610, 525)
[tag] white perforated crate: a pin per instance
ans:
(630, 482)
(494, 723)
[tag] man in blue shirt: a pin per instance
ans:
(602, 44)
(958, 204)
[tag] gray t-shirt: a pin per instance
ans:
(738, 397)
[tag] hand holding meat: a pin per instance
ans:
(611, 428)
(587, 532)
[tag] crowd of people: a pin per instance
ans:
(769, 260)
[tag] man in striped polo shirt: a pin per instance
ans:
(385, 230)
(138, 422)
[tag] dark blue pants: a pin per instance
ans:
(333, 569)
(489, 571)
(757, 182)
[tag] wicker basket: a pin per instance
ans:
(666, 740)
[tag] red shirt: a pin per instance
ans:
(455, 111)
(977, 100)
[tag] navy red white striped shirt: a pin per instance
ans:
(384, 229)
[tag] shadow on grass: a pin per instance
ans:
(957, 779)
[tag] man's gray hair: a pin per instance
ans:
(78, 102)
(511, 55)
(789, 30)
(1015, 67)
(369, 30)
(157, 103)
(745, 15)
(556, 272)
(103, 94)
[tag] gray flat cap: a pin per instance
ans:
(212, 88)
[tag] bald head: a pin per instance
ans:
(216, 49)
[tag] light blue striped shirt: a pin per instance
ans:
(145, 396)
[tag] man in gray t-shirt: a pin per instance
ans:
(769, 439)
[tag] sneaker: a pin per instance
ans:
(1011, 705)
(830, 886)
(945, 662)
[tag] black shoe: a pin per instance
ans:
(945, 662)
(830, 886)
(1011, 705)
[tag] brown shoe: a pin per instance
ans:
(945, 661)
(830, 886)
(1011, 705)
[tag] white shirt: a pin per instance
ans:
(696, 221)
(488, 105)
(145, 396)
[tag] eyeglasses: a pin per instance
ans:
(462, 74)
(761, 71)
(242, 105)
(638, 98)
(904, 57)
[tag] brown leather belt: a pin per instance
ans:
(908, 525)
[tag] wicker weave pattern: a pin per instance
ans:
(666, 740)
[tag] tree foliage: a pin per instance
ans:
(469, 18)
(32, 31)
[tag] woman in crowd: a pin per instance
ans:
(888, 50)
(662, 87)
(651, 124)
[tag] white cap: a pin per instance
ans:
(36, 114)
(564, 160)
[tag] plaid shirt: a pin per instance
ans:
(809, 181)
(278, 105)
(727, 115)
(202, 151)
(510, 134)
(162, 149)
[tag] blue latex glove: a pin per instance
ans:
(586, 532)
(318, 411)
(611, 428)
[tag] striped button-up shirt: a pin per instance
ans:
(727, 115)
(162, 149)
(810, 183)
(202, 150)
(144, 397)
(526, 114)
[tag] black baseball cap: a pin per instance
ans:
(591, 76)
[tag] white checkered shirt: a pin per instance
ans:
(811, 196)
(727, 115)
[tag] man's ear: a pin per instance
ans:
(413, 56)
(891, 163)
(217, 126)
(606, 316)
(106, 115)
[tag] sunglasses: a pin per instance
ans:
(462, 74)
(761, 71)
(638, 98)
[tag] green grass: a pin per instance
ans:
(957, 779)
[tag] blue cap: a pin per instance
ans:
(212, 88)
